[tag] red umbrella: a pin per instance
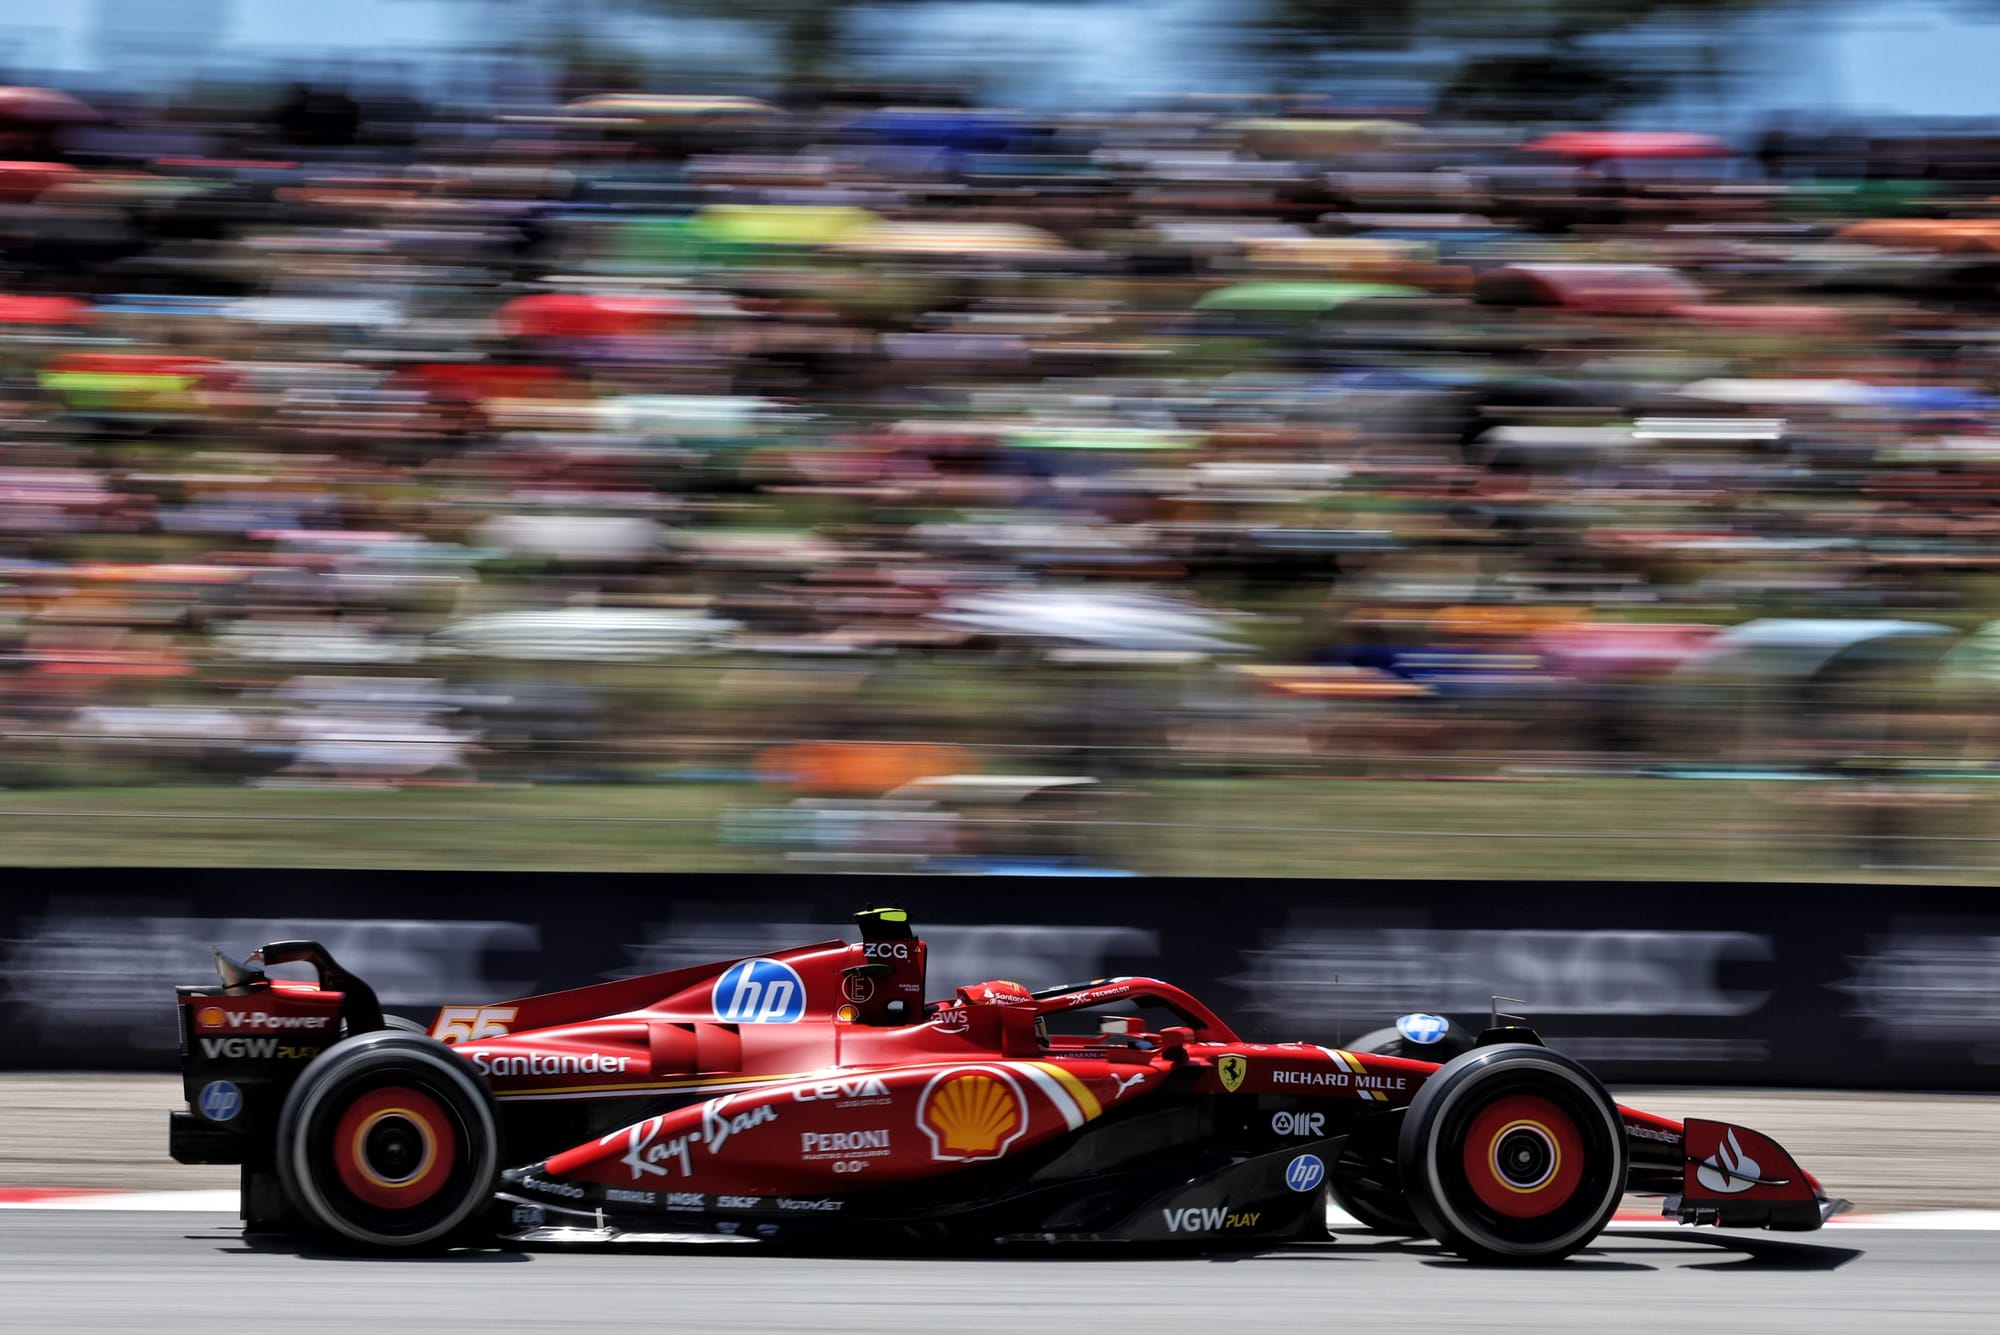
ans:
(1596, 144)
(585, 315)
(1590, 289)
(44, 310)
(44, 106)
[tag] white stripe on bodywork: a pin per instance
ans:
(1052, 1087)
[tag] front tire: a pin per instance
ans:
(389, 1142)
(1513, 1155)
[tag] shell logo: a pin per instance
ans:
(971, 1113)
(209, 1017)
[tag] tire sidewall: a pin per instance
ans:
(1421, 1149)
(314, 1106)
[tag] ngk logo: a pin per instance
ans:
(215, 1017)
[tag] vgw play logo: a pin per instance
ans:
(760, 992)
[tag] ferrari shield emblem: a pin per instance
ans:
(1232, 1068)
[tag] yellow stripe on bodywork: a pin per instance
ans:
(1085, 1100)
(1353, 1064)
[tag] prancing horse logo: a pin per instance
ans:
(1232, 1068)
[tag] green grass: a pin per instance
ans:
(1562, 828)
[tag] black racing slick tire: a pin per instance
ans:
(1380, 1210)
(390, 1142)
(1513, 1155)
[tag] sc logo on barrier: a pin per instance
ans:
(760, 991)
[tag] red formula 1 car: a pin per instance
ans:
(815, 1096)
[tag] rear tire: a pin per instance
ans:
(1513, 1155)
(1379, 1211)
(389, 1142)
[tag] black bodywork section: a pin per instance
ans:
(1179, 1167)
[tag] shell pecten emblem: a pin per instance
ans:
(972, 1113)
(1230, 1068)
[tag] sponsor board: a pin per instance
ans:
(1868, 990)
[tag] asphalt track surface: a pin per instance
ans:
(81, 1272)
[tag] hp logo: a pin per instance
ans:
(1305, 1173)
(760, 992)
(220, 1101)
(1422, 1028)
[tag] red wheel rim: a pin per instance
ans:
(1523, 1156)
(394, 1147)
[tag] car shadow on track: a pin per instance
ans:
(1754, 1253)
(305, 1249)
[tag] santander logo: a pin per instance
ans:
(1728, 1170)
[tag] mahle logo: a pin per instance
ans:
(1232, 1067)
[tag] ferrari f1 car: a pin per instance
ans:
(815, 1096)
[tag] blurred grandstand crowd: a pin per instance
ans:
(886, 442)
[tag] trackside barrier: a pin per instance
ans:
(1860, 986)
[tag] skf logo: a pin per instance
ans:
(1231, 1068)
(972, 1113)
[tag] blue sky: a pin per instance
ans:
(1883, 56)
